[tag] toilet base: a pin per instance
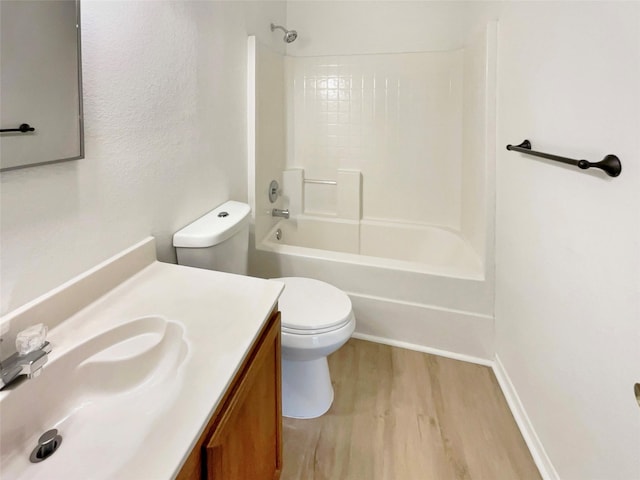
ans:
(306, 388)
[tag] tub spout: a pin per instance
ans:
(276, 212)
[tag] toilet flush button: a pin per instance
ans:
(223, 214)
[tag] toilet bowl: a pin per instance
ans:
(317, 319)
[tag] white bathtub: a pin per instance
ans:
(411, 285)
(402, 246)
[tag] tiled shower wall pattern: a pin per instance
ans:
(397, 118)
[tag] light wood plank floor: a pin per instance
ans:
(400, 414)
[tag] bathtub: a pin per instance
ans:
(393, 245)
(414, 286)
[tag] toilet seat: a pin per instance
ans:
(311, 307)
(317, 331)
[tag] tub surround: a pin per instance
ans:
(384, 149)
(221, 315)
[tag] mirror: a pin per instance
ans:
(40, 82)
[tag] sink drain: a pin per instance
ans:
(48, 443)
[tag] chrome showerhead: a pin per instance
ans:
(289, 35)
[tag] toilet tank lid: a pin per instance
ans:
(214, 227)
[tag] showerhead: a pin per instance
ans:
(289, 35)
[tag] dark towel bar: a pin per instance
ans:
(25, 127)
(610, 164)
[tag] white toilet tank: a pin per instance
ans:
(219, 240)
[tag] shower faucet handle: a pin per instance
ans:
(274, 190)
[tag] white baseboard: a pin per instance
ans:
(423, 349)
(540, 457)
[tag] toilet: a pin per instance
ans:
(317, 318)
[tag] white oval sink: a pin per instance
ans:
(106, 392)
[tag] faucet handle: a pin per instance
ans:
(31, 339)
(46, 347)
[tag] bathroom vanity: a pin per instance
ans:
(156, 371)
(243, 438)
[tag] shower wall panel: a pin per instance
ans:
(478, 145)
(265, 130)
(397, 118)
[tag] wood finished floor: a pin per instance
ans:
(400, 414)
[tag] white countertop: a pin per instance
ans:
(221, 315)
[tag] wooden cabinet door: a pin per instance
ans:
(247, 444)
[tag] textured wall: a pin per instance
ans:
(165, 125)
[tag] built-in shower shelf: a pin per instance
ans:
(340, 198)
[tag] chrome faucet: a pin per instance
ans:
(29, 364)
(276, 212)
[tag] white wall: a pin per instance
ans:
(568, 242)
(165, 125)
(357, 27)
